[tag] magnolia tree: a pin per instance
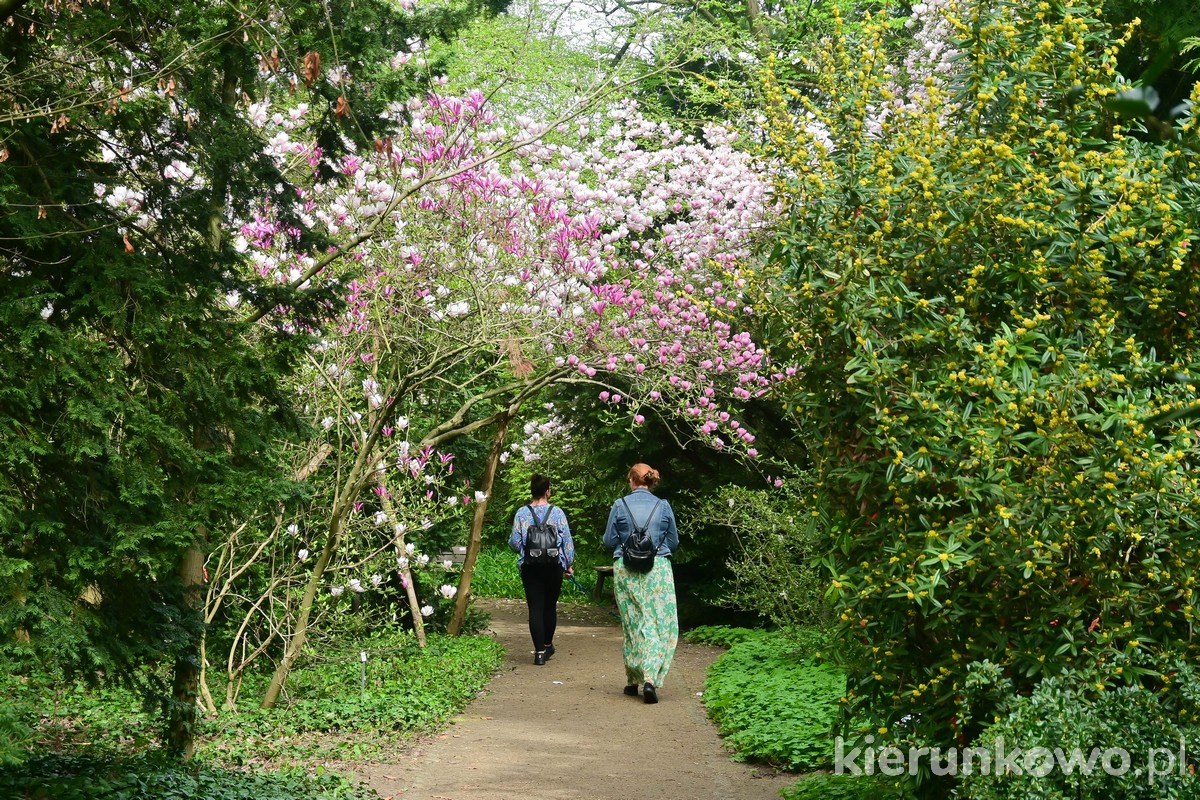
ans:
(489, 259)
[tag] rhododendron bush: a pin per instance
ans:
(988, 306)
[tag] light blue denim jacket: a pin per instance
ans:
(641, 501)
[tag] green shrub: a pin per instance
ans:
(773, 562)
(773, 703)
(1070, 712)
(988, 294)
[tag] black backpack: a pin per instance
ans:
(638, 550)
(541, 540)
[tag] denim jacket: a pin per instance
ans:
(662, 528)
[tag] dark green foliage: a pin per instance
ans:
(723, 635)
(846, 787)
(983, 324)
(773, 702)
(61, 777)
(1068, 712)
(139, 415)
(774, 557)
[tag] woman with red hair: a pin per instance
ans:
(646, 600)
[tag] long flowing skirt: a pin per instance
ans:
(650, 619)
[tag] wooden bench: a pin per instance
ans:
(601, 574)
(456, 555)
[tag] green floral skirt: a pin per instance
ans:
(650, 618)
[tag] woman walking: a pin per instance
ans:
(646, 600)
(545, 552)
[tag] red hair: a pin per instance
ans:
(644, 475)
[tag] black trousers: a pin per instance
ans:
(543, 584)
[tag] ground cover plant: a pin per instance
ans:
(771, 697)
(338, 707)
(114, 777)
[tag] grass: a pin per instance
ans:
(496, 575)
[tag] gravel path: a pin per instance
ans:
(565, 731)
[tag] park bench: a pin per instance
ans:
(601, 573)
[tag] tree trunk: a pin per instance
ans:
(181, 720)
(758, 27)
(414, 604)
(476, 541)
(296, 645)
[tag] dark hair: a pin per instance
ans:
(644, 475)
(538, 486)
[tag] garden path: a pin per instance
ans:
(565, 731)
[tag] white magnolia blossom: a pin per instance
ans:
(380, 518)
(336, 590)
(356, 586)
(178, 170)
(410, 548)
(447, 591)
(447, 564)
(302, 554)
(402, 562)
(377, 579)
(293, 529)
(423, 560)
(426, 611)
(480, 497)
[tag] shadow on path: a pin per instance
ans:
(565, 731)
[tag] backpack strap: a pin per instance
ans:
(633, 520)
(533, 514)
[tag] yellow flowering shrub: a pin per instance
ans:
(988, 290)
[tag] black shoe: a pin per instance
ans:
(631, 690)
(539, 657)
(648, 693)
(549, 651)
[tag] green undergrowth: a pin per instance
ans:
(91, 743)
(328, 712)
(97, 776)
(771, 697)
(826, 786)
(496, 574)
